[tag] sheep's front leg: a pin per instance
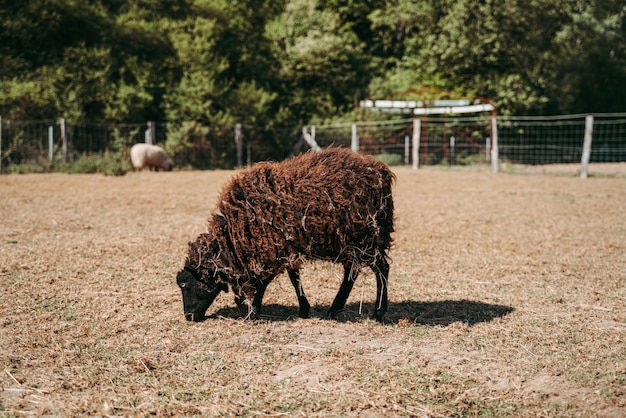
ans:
(241, 304)
(303, 302)
(254, 310)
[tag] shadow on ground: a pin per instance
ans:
(446, 312)
(442, 313)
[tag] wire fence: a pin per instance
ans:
(42, 142)
(442, 140)
(470, 140)
(557, 140)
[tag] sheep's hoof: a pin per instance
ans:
(379, 317)
(332, 314)
(253, 314)
(242, 305)
(304, 309)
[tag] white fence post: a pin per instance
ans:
(239, 144)
(354, 143)
(50, 142)
(249, 154)
(407, 146)
(150, 134)
(586, 146)
(494, 144)
(417, 127)
(66, 156)
(452, 150)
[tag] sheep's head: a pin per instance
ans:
(197, 295)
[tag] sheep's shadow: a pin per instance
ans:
(446, 312)
(441, 313)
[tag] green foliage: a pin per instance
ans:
(323, 63)
(193, 145)
(79, 84)
(589, 53)
(25, 100)
(30, 166)
(107, 163)
(391, 159)
(537, 56)
(395, 27)
(193, 97)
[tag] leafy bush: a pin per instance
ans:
(470, 159)
(24, 167)
(391, 159)
(108, 163)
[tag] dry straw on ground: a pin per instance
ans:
(507, 297)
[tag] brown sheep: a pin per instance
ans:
(333, 205)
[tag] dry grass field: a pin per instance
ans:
(507, 298)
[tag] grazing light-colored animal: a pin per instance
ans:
(333, 205)
(151, 156)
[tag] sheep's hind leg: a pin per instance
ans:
(303, 302)
(349, 277)
(381, 271)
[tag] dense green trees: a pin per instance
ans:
(528, 56)
(289, 62)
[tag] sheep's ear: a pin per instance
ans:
(223, 287)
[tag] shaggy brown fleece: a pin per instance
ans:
(334, 205)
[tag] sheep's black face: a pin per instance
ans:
(197, 295)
